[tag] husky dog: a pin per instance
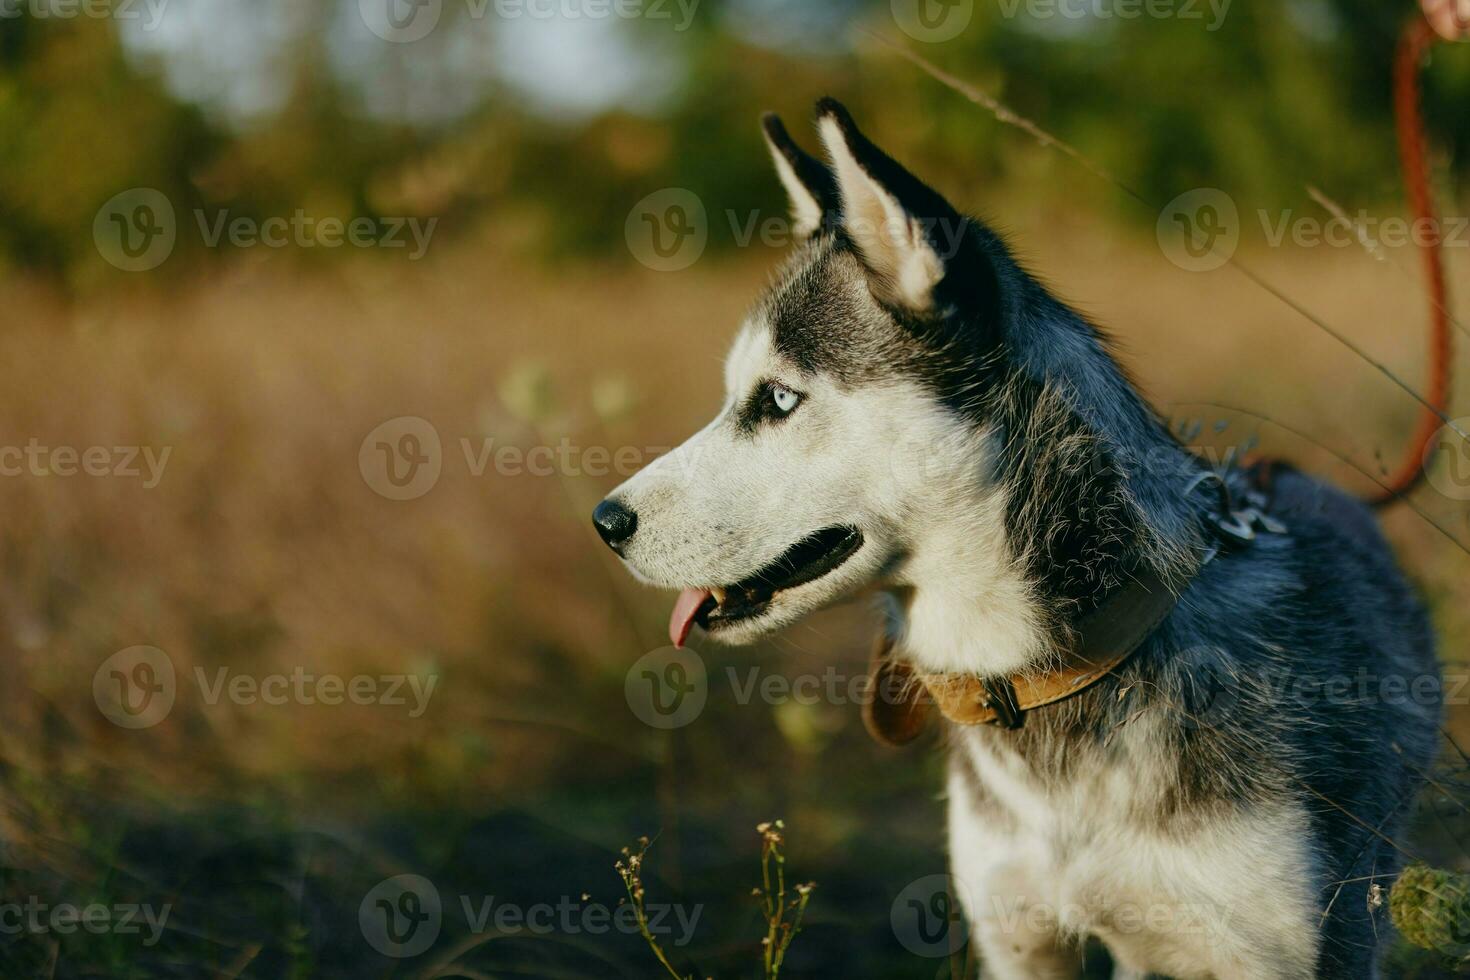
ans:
(907, 409)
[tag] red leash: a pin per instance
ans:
(1413, 46)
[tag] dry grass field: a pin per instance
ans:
(263, 550)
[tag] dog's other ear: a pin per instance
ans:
(906, 232)
(807, 180)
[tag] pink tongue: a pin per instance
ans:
(682, 617)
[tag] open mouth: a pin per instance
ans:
(806, 561)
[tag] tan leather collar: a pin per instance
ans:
(1105, 638)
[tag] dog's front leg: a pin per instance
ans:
(1024, 953)
(1121, 972)
(1018, 931)
(1019, 934)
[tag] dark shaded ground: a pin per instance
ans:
(252, 891)
(256, 887)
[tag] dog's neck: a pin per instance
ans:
(963, 603)
(1084, 487)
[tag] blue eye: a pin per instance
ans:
(783, 398)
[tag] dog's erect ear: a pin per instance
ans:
(807, 180)
(907, 233)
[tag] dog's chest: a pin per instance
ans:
(1101, 853)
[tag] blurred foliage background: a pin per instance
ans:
(264, 549)
(266, 106)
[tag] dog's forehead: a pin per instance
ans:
(819, 316)
(751, 357)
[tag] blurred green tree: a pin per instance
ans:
(1259, 99)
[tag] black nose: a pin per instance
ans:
(615, 523)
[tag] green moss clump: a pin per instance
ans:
(1431, 909)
